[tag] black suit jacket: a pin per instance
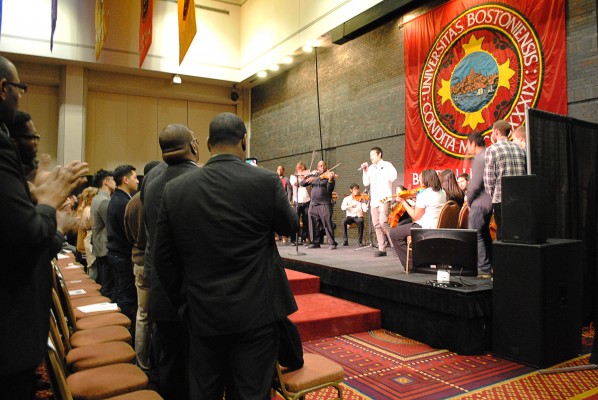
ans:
(28, 241)
(215, 249)
(160, 307)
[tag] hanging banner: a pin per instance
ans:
(187, 26)
(145, 28)
(469, 63)
(54, 17)
(101, 25)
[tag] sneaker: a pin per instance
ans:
(332, 246)
(313, 246)
(379, 253)
(345, 243)
(360, 244)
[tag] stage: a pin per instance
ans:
(457, 319)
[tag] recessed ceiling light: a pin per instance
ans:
(262, 74)
(307, 48)
(274, 67)
(177, 79)
(287, 60)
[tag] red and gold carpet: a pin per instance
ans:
(383, 365)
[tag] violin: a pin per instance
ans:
(323, 175)
(362, 197)
(399, 209)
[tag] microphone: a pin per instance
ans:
(360, 169)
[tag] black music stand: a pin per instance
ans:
(370, 245)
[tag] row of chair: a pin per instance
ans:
(89, 353)
(90, 356)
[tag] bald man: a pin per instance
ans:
(232, 292)
(181, 154)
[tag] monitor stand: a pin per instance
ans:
(443, 284)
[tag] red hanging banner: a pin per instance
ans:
(469, 63)
(145, 28)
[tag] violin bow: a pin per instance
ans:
(330, 169)
(313, 157)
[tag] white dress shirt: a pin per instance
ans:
(379, 177)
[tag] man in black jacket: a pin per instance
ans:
(231, 293)
(28, 241)
(180, 152)
(119, 248)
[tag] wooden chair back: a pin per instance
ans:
(463, 217)
(449, 215)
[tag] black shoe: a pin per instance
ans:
(313, 246)
(379, 253)
(345, 243)
(332, 246)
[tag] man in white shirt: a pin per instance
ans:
(355, 205)
(379, 176)
(301, 200)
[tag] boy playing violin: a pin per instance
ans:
(355, 205)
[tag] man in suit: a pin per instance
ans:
(480, 204)
(28, 241)
(231, 293)
(181, 154)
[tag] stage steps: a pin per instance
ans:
(321, 316)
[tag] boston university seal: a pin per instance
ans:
(487, 64)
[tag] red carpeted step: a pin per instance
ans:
(302, 283)
(322, 316)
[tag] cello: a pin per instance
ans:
(397, 212)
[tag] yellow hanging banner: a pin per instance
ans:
(187, 26)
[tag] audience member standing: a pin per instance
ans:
(135, 232)
(181, 154)
(85, 224)
(503, 158)
(119, 248)
(231, 294)
(28, 241)
(104, 181)
(379, 177)
(480, 204)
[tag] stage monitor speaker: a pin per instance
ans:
(536, 301)
(523, 210)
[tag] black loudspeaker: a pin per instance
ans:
(523, 210)
(536, 301)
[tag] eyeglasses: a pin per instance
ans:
(35, 136)
(22, 86)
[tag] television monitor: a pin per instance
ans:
(455, 250)
(251, 161)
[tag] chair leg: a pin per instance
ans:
(408, 254)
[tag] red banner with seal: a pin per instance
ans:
(469, 63)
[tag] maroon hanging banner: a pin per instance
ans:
(469, 63)
(145, 28)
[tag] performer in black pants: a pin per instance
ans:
(322, 184)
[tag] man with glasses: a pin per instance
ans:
(26, 138)
(28, 240)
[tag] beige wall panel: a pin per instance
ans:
(200, 116)
(142, 131)
(42, 103)
(171, 112)
(110, 130)
(90, 129)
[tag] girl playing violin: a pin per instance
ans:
(425, 213)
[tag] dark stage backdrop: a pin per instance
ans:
(565, 151)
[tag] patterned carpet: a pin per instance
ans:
(383, 365)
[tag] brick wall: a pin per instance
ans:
(362, 89)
